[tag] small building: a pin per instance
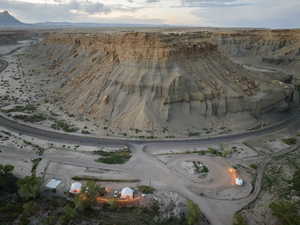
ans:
(239, 181)
(127, 193)
(75, 188)
(53, 183)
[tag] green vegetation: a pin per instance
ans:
(200, 169)
(193, 213)
(290, 141)
(35, 165)
(87, 198)
(296, 182)
(119, 157)
(87, 178)
(239, 220)
(253, 166)
(29, 187)
(7, 180)
(146, 189)
(63, 125)
(286, 211)
(31, 118)
(20, 108)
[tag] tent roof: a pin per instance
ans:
(75, 187)
(53, 183)
(127, 191)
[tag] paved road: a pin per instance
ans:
(94, 141)
(145, 166)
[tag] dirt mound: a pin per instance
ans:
(164, 81)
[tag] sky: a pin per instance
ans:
(216, 13)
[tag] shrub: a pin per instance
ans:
(290, 141)
(253, 166)
(119, 157)
(296, 181)
(286, 212)
(146, 189)
(239, 220)
(193, 213)
(29, 187)
(63, 125)
(31, 118)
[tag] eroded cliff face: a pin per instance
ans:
(274, 47)
(158, 80)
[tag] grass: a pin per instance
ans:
(290, 141)
(119, 157)
(88, 178)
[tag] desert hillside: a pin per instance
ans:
(152, 80)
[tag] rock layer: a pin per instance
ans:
(153, 80)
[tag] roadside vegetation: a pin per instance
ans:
(118, 157)
(20, 108)
(35, 118)
(290, 141)
(96, 179)
(23, 203)
(146, 189)
(63, 125)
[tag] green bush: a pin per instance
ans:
(290, 141)
(239, 220)
(29, 187)
(253, 166)
(8, 182)
(286, 211)
(146, 189)
(63, 125)
(193, 213)
(21, 108)
(31, 118)
(119, 157)
(296, 181)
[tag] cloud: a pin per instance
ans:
(243, 13)
(261, 13)
(215, 3)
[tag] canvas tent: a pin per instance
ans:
(53, 183)
(75, 188)
(239, 181)
(127, 193)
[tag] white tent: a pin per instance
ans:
(127, 193)
(75, 188)
(53, 183)
(239, 181)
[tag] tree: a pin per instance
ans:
(6, 169)
(69, 214)
(8, 182)
(286, 212)
(29, 187)
(88, 196)
(193, 213)
(296, 181)
(239, 220)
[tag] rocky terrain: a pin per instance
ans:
(150, 81)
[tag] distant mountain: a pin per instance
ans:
(8, 20)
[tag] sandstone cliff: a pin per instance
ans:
(159, 80)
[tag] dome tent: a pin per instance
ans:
(127, 193)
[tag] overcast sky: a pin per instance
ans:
(237, 13)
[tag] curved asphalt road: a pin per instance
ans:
(94, 141)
